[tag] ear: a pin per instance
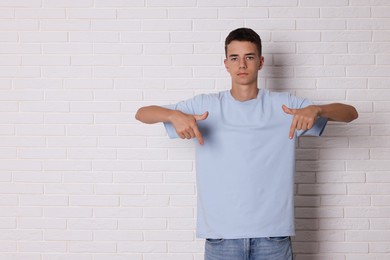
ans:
(226, 64)
(261, 62)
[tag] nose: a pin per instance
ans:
(242, 64)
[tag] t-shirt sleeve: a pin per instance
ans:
(318, 127)
(190, 106)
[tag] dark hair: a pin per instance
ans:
(243, 35)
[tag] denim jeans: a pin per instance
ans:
(268, 248)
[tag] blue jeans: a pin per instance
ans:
(267, 248)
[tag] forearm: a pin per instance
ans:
(154, 114)
(338, 112)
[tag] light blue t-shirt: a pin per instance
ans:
(245, 169)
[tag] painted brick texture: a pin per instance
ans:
(81, 179)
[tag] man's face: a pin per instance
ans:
(243, 62)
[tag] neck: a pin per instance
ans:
(244, 93)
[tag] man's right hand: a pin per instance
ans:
(186, 125)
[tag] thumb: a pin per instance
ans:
(288, 110)
(202, 116)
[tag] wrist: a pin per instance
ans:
(319, 110)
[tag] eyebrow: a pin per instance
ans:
(247, 54)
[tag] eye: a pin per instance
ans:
(250, 57)
(233, 58)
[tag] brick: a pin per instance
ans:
(346, 12)
(9, 37)
(145, 201)
(39, 37)
(322, 3)
(118, 212)
(69, 4)
(119, 3)
(170, 48)
(119, 189)
(221, 3)
(90, 130)
(142, 247)
(162, 60)
(118, 235)
(88, 83)
(117, 166)
(380, 11)
(7, 13)
(367, 212)
(42, 247)
(369, 48)
(65, 25)
(94, 107)
(95, 224)
(67, 48)
(372, 24)
(67, 165)
(198, 13)
(300, 36)
(325, 48)
(22, 48)
(142, 224)
(36, 177)
(90, 153)
(145, 37)
(92, 247)
(345, 200)
(171, 212)
(89, 13)
(270, 3)
(35, 84)
(66, 72)
(73, 188)
(42, 153)
(216, 25)
(100, 37)
(115, 25)
(56, 118)
(87, 177)
(166, 25)
(43, 200)
(312, 189)
(170, 189)
(284, 12)
(344, 224)
(341, 83)
(191, 37)
(22, 72)
(98, 201)
(39, 13)
(321, 24)
(371, 235)
(45, 60)
(344, 154)
(323, 236)
(344, 247)
(379, 153)
(142, 13)
(115, 72)
(8, 223)
(340, 177)
(381, 200)
(66, 256)
(18, 25)
(323, 212)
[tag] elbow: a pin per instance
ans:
(138, 115)
(353, 115)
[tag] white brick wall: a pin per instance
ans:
(81, 179)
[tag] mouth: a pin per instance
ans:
(242, 74)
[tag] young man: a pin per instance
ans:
(245, 155)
